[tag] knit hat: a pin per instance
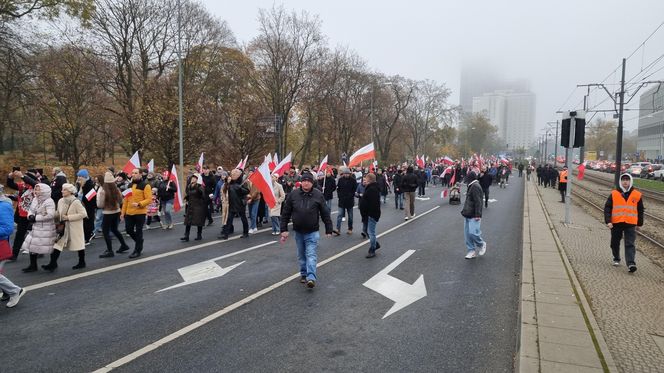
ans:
(345, 170)
(83, 173)
(69, 187)
(108, 178)
(307, 176)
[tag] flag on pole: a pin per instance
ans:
(91, 194)
(273, 162)
(127, 193)
(199, 165)
(363, 154)
(323, 165)
(453, 178)
(447, 161)
(582, 170)
(263, 181)
(173, 178)
(444, 193)
(151, 165)
(284, 165)
(419, 161)
(132, 163)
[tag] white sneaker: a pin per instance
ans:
(406, 218)
(343, 219)
(471, 255)
(13, 300)
(616, 263)
(483, 249)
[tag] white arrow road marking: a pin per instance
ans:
(401, 292)
(206, 270)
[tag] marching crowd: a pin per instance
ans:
(58, 215)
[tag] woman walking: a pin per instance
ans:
(109, 201)
(196, 210)
(275, 212)
(72, 213)
(40, 214)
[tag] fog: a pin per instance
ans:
(556, 45)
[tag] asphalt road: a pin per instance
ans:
(258, 317)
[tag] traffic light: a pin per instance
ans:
(580, 131)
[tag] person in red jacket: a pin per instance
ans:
(24, 185)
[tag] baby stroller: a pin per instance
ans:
(455, 194)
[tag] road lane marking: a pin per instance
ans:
(399, 291)
(191, 327)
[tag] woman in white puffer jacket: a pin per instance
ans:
(41, 214)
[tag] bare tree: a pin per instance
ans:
(389, 106)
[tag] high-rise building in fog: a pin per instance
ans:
(650, 143)
(513, 113)
(509, 104)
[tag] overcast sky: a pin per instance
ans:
(555, 44)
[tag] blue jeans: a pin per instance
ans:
(99, 215)
(342, 214)
(398, 200)
(307, 247)
(276, 223)
(253, 213)
(473, 234)
(371, 232)
(328, 203)
(167, 209)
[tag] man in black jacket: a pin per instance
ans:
(472, 212)
(346, 187)
(85, 185)
(398, 194)
(59, 179)
(408, 187)
(485, 182)
(306, 205)
(370, 211)
(210, 182)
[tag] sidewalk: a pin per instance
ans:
(558, 333)
(624, 312)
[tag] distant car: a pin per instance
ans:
(636, 168)
(658, 174)
(648, 171)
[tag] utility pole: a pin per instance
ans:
(180, 105)
(620, 126)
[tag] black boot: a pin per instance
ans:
(185, 238)
(53, 264)
(137, 251)
(107, 254)
(199, 235)
(81, 260)
(33, 264)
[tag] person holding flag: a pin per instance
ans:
(166, 192)
(109, 200)
(237, 193)
(306, 206)
(87, 195)
(134, 211)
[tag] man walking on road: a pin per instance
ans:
(472, 212)
(370, 211)
(408, 187)
(346, 187)
(623, 213)
(306, 205)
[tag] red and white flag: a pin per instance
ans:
(365, 153)
(91, 194)
(283, 166)
(582, 171)
(173, 178)
(263, 181)
(199, 165)
(323, 165)
(453, 178)
(447, 161)
(420, 161)
(150, 166)
(243, 163)
(273, 162)
(127, 193)
(444, 193)
(132, 163)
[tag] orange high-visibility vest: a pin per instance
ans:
(625, 211)
(563, 176)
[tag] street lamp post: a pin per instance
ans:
(555, 144)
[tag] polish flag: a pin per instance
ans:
(199, 165)
(150, 166)
(132, 163)
(283, 166)
(372, 167)
(363, 154)
(323, 165)
(444, 193)
(420, 161)
(263, 181)
(243, 163)
(273, 162)
(173, 178)
(447, 161)
(127, 193)
(582, 171)
(91, 194)
(453, 178)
